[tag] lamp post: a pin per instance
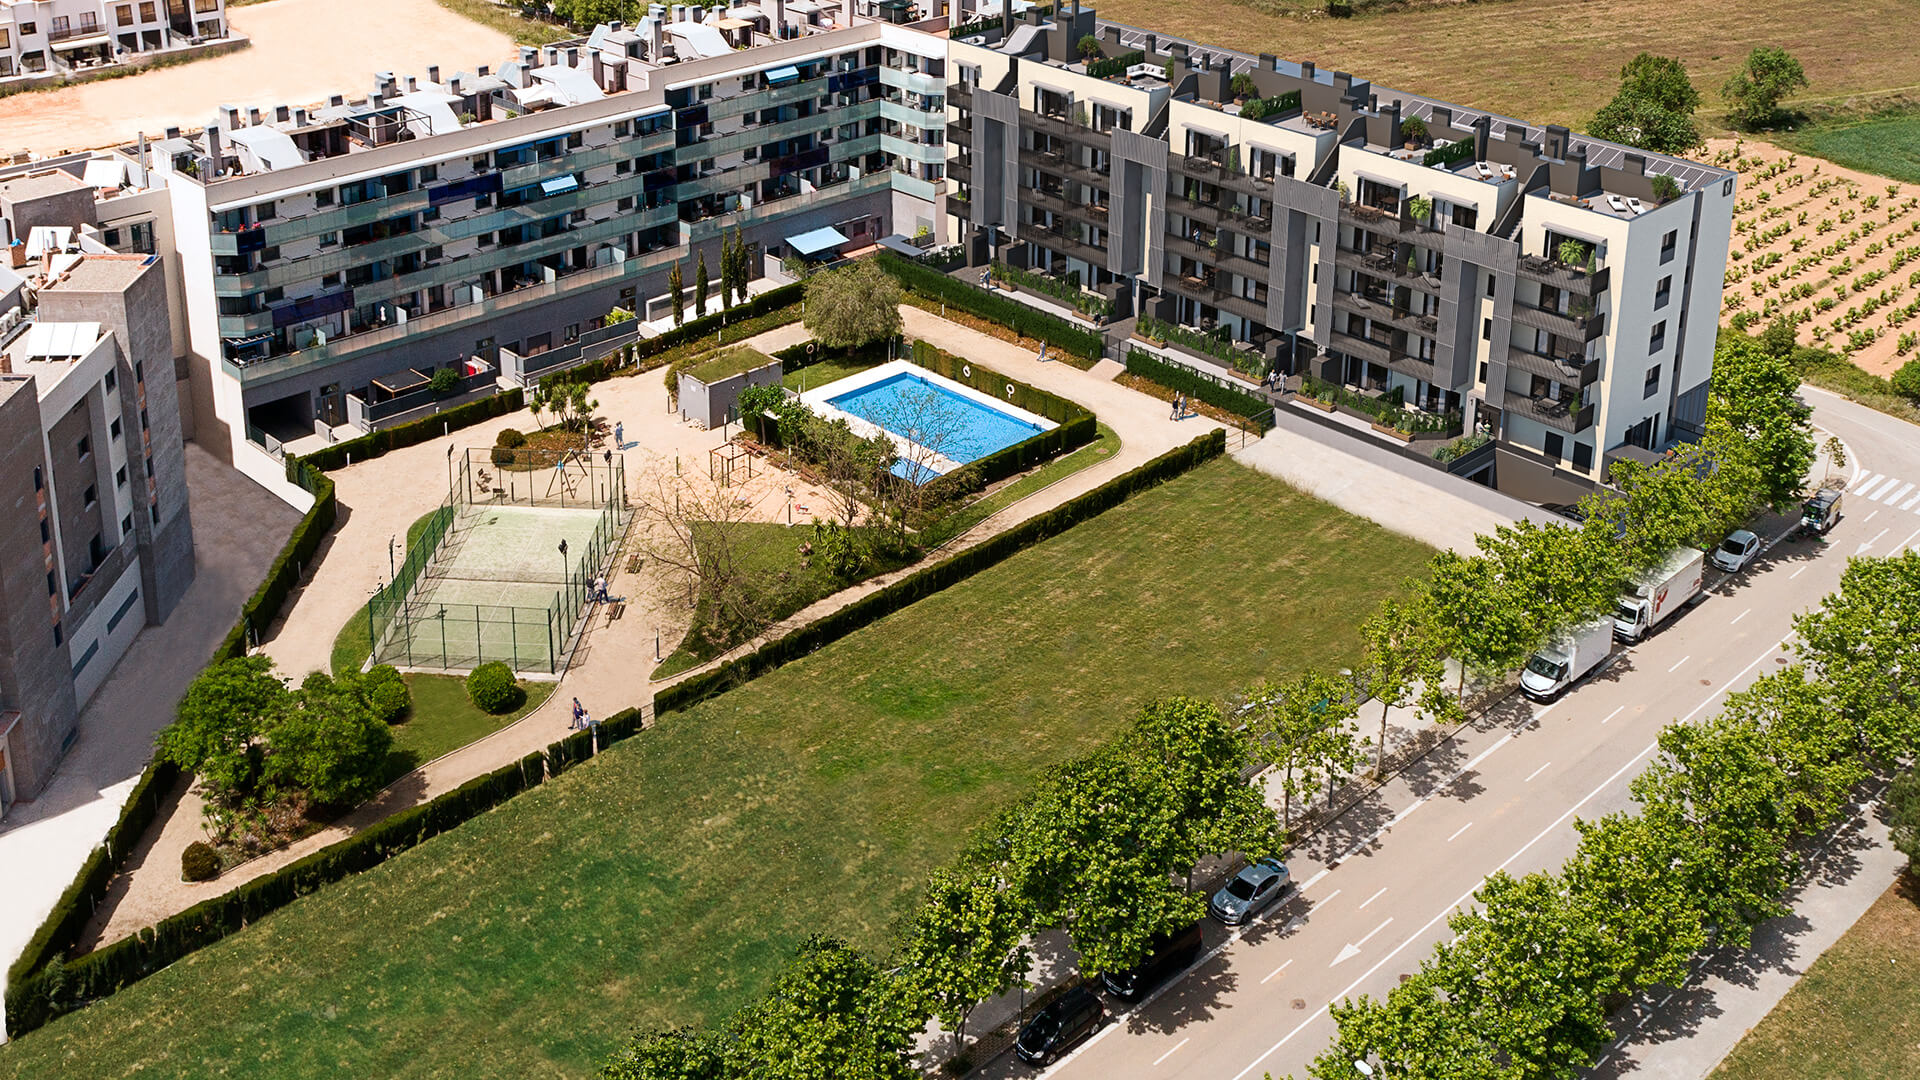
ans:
(392, 542)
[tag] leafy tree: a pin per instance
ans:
(1754, 90)
(1089, 46)
(678, 1054)
(853, 306)
(332, 746)
(1243, 86)
(1403, 655)
(1808, 740)
(1566, 575)
(1753, 397)
(1479, 617)
(833, 1013)
(1903, 817)
(1198, 759)
(1781, 335)
(1905, 381)
(570, 401)
(1863, 642)
(965, 944)
(1622, 877)
(700, 287)
(678, 292)
(1653, 109)
(220, 721)
(1305, 726)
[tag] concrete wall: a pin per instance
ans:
(35, 678)
(711, 404)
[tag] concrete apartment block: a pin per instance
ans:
(50, 37)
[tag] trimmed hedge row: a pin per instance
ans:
(1201, 388)
(1012, 314)
(59, 988)
(932, 579)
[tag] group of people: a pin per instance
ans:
(581, 720)
(1179, 406)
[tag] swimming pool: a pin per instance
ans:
(939, 424)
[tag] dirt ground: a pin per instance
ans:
(1858, 277)
(303, 51)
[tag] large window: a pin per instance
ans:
(123, 15)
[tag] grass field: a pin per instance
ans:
(1855, 1015)
(1551, 61)
(444, 719)
(1887, 144)
(664, 882)
(1105, 444)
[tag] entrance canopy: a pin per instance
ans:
(400, 382)
(809, 244)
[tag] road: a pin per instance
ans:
(1376, 888)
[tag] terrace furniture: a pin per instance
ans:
(1618, 204)
(1634, 204)
(1485, 170)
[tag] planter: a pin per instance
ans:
(1153, 341)
(1402, 437)
(1323, 406)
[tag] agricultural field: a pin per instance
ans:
(1836, 248)
(1885, 143)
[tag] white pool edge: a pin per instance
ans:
(816, 399)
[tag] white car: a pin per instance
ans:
(1736, 551)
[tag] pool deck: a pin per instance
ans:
(819, 399)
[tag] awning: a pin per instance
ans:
(783, 75)
(82, 42)
(558, 185)
(400, 382)
(817, 241)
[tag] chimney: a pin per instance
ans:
(413, 84)
(433, 73)
(1152, 45)
(281, 114)
(337, 100)
(483, 70)
(553, 56)
(140, 152)
(299, 118)
(1006, 19)
(573, 57)
(230, 117)
(1556, 141)
(454, 86)
(599, 71)
(1634, 164)
(779, 19)
(847, 20)
(213, 144)
(173, 133)
(529, 56)
(253, 117)
(1342, 84)
(1307, 71)
(1442, 121)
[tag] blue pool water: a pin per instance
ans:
(958, 427)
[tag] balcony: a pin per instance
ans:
(960, 95)
(1383, 264)
(1058, 164)
(960, 170)
(1581, 328)
(1363, 348)
(1561, 276)
(1060, 238)
(1384, 314)
(960, 134)
(1065, 128)
(1215, 171)
(1571, 370)
(1372, 218)
(1558, 415)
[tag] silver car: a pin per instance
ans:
(1736, 551)
(1250, 891)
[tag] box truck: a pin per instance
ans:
(1569, 658)
(1659, 593)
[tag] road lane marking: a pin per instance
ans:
(1869, 517)
(1896, 496)
(1468, 895)
(1312, 881)
(1883, 489)
(1614, 713)
(1421, 801)
(1862, 486)
(1484, 755)
(1907, 543)
(1876, 539)
(1369, 900)
(1677, 663)
(1352, 948)
(1740, 616)
(1275, 973)
(1535, 773)
(1796, 573)
(1325, 900)
(1458, 831)
(1908, 505)
(1170, 1053)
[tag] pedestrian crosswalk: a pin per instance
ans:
(1887, 491)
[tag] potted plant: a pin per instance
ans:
(1413, 130)
(1574, 255)
(1346, 193)
(1665, 188)
(1392, 430)
(1421, 208)
(1243, 87)
(1089, 47)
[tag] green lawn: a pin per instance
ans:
(444, 719)
(1105, 444)
(732, 362)
(1855, 1015)
(827, 371)
(665, 882)
(1887, 144)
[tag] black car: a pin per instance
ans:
(1172, 954)
(1060, 1026)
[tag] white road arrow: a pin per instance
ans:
(1352, 949)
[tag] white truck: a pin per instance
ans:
(1659, 593)
(1571, 657)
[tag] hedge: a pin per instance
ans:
(1174, 377)
(932, 579)
(1077, 426)
(1012, 314)
(284, 575)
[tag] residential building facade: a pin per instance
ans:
(45, 37)
(1560, 293)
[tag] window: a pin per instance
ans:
(1662, 292)
(1490, 281)
(90, 496)
(39, 481)
(120, 478)
(85, 446)
(1657, 340)
(576, 140)
(1582, 456)
(114, 428)
(28, 29)
(53, 589)
(327, 280)
(153, 513)
(1555, 446)
(139, 371)
(126, 525)
(1483, 372)
(46, 532)
(123, 15)
(146, 11)
(1653, 382)
(1486, 329)
(264, 212)
(1667, 244)
(112, 380)
(143, 419)
(323, 197)
(429, 173)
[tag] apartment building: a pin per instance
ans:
(43, 37)
(96, 538)
(332, 257)
(1561, 293)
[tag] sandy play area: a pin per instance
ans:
(303, 50)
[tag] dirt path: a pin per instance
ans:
(380, 498)
(302, 52)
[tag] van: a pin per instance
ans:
(1060, 1027)
(1172, 953)
(1821, 511)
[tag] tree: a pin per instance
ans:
(1661, 80)
(1863, 642)
(1836, 452)
(1402, 656)
(694, 533)
(1781, 335)
(570, 400)
(219, 723)
(1903, 817)
(1754, 90)
(1622, 877)
(1905, 381)
(1565, 575)
(965, 944)
(1089, 46)
(1243, 86)
(1305, 726)
(853, 306)
(1753, 397)
(1199, 761)
(1807, 739)
(678, 1054)
(678, 293)
(331, 745)
(832, 1013)
(1478, 617)
(700, 287)
(1639, 121)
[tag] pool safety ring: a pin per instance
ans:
(1009, 391)
(967, 370)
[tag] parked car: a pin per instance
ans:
(1170, 955)
(1060, 1027)
(1250, 891)
(1821, 511)
(1736, 551)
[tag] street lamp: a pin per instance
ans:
(392, 542)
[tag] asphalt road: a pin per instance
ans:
(1375, 889)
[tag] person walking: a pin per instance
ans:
(620, 435)
(579, 713)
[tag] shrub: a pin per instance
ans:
(493, 689)
(199, 862)
(511, 438)
(1011, 314)
(1903, 817)
(386, 693)
(1906, 381)
(443, 380)
(1200, 388)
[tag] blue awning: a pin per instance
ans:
(817, 241)
(783, 75)
(558, 185)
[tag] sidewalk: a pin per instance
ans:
(380, 498)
